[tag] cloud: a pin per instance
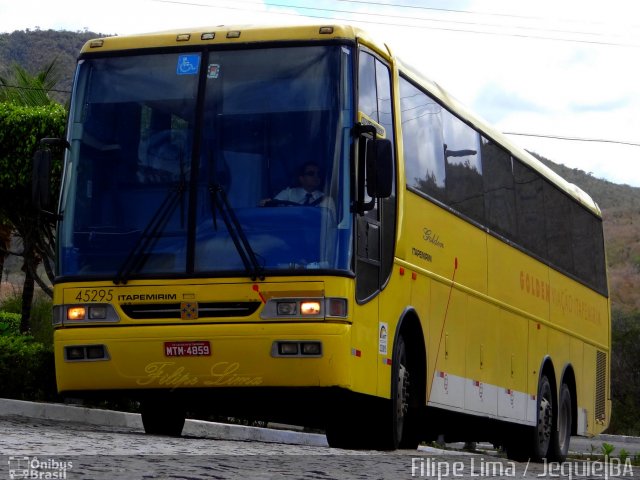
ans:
(600, 106)
(497, 103)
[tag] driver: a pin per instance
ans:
(308, 192)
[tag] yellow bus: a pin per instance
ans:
(290, 224)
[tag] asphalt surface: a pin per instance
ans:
(82, 443)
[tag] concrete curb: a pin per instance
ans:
(618, 438)
(96, 416)
(69, 413)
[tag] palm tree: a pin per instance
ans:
(30, 90)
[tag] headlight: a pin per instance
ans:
(305, 308)
(87, 313)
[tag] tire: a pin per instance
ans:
(544, 422)
(399, 392)
(378, 424)
(561, 437)
(534, 443)
(343, 432)
(162, 418)
(346, 426)
(399, 428)
(405, 405)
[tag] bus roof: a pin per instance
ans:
(243, 34)
(225, 35)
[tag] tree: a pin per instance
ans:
(28, 115)
(29, 90)
(625, 373)
(21, 128)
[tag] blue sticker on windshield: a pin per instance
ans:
(188, 64)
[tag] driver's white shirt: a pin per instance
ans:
(299, 194)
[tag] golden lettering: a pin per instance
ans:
(225, 373)
(160, 373)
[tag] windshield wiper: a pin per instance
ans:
(220, 202)
(137, 258)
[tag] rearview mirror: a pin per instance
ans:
(41, 174)
(379, 166)
(40, 179)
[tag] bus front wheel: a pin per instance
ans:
(405, 416)
(398, 426)
(381, 424)
(162, 418)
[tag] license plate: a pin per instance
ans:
(187, 349)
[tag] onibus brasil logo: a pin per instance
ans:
(38, 467)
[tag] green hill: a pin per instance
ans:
(35, 49)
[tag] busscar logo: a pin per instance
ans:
(36, 467)
(431, 237)
(188, 310)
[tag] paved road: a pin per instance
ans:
(81, 451)
(101, 448)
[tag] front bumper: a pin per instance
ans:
(241, 355)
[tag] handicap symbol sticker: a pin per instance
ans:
(188, 64)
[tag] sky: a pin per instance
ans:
(565, 69)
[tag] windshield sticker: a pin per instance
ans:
(213, 71)
(188, 64)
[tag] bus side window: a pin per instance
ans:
(423, 141)
(499, 191)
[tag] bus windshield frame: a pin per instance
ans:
(196, 163)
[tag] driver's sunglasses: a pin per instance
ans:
(312, 173)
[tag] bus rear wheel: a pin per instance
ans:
(544, 426)
(535, 442)
(562, 434)
(162, 417)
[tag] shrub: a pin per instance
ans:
(41, 315)
(9, 323)
(12, 303)
(26, 369)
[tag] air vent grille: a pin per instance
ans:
(147, 311)
(601, 386)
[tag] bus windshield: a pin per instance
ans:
(222, 162)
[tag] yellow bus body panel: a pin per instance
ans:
(492, 315)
